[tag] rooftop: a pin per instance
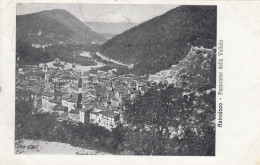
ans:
(109, 113)
(23, 92)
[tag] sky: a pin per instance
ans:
(101, 13)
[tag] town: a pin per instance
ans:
(144, 89)
(75, 96)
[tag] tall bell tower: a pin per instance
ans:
(79, 101)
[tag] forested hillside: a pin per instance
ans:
(169, 120)
(54, 26)
(164, 40)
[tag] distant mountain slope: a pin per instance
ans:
(110, 27)
(107, 36)
(164, 40)
(54, 26)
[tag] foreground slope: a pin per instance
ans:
(164, 40)
(44, 147)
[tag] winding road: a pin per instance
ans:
(111, 60)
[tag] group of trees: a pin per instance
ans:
(160, 124)
(169, 120)
(34, 56)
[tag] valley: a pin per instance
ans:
(116, 88)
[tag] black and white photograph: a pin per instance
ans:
(115, 79)
(129, 82)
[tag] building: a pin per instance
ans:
(69, 101)
(31, 68)
(73, 116)
(57, 60)
(26, 95)
(109, 119)
(50, 99)
(105, 118)
(60, 109)
(84, 115)
(37, 103)
(45, 68)
(34, 76)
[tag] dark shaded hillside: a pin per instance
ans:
(53, 26)
(163, 41)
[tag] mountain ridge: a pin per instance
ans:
(54, 26)
(158, 43)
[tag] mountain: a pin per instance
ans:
(159, 43)
(107, 36)
(110, 27)
(54, 26)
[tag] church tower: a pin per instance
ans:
(45, 68)
(79, 101)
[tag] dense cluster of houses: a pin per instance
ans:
(93, 97)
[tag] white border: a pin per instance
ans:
(238, 142)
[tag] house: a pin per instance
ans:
(59, 108)
(69, 101)
(57, 60)
(87, 99)
(140, 84)
(37, 103)
(99, 91)
(153, 78)
(133, 94)
(95, 116)
(115, 108)
(74, 115)
(34, 76)
(67, 79)
(31, 68)
(26, 95)
(73, 89)
(46, 104)
(84, 115)
(68, 66)
(50, 99)
(85, 74)
(45, 68)
(63, 116)
(110, 94)
(115, 102)
(132, 85)
(110, 120)
(105, 118)
(73, 100)
(119, 92)
(106, 102)
(36, 88)
(126, 80)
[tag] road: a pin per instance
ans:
(111, 60)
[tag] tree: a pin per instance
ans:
(23, 114)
